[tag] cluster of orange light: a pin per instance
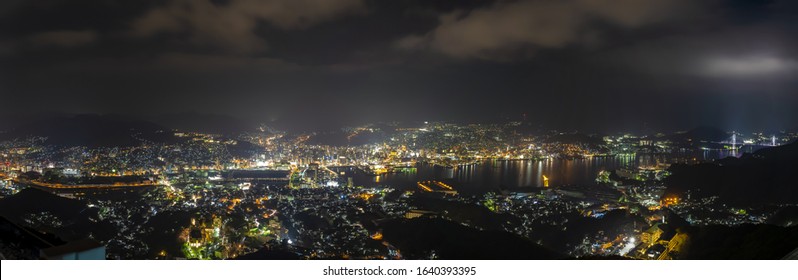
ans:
(444, 185)
(91, 186)
(380, 171)
(424, 187)
(260, 200)
(668, 201)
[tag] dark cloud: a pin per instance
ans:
(589, 64)
(63, 38)
(232, 24)
(6, 48)
(219, 63)
(760, 50)
(509, 26)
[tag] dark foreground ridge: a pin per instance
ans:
(766, 176)
(423, 238)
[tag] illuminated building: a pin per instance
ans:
(652, 234)
(669, 201)
(415, 213)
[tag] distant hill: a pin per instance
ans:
(786, 152)
(205, 123)
(787, 216)
(577, 138)
(701, 133)
(89, 130)
(766, 176)
(340, 138)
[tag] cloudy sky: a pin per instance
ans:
(584, 64)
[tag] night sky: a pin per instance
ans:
(578, 64)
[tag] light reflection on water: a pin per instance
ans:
(495, 173)
(491, 174)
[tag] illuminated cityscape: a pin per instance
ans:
(398, 130)
(273, 194)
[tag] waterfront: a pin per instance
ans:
(492, 175)
(489, 175)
